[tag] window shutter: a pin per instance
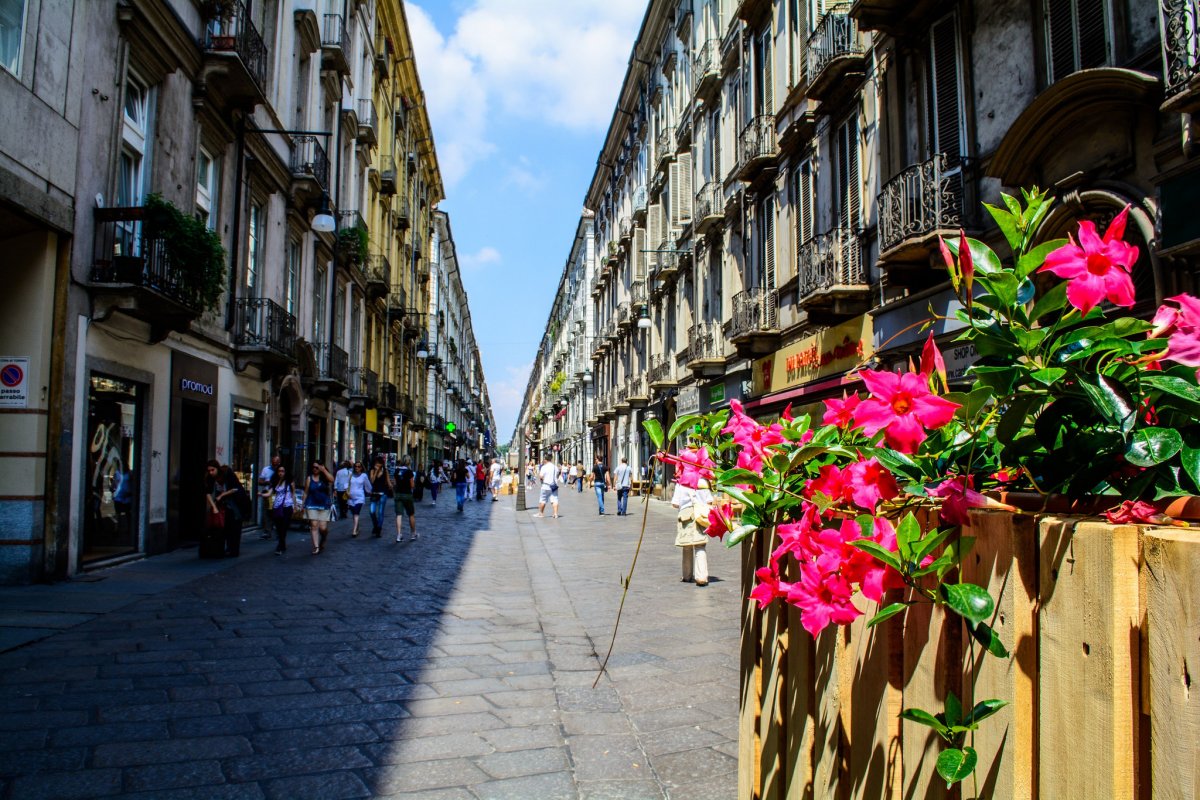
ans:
(718, 174)
(673, 185)
(1060, 38)
(639, 255)
(768, 74)
(1093, 40)
(654, 217)
(944, 116)
(769, 277)
(686, 193)
(854, 179)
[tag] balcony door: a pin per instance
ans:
(944, 110)
(1078, 36)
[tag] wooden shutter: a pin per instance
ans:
(802, 207)
(654, 218)
(686, 193)
(945, 117)
(1076, 36)
(673, 193)
(768, 75)
(769, 277)
(851, 213)
(718, 174)
(639, 255)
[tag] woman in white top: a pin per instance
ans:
(694, 506)
(357, 491)
(434, 480)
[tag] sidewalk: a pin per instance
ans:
(459, 666)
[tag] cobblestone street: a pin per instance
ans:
(458, 666)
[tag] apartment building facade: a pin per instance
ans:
(771, 190)
(295, 132)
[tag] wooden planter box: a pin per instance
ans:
(1102, 623)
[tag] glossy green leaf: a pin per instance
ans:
(986, 636)
(1111, 400)
(866, 525)
(1009, 224)
(1190, 458)
(1037, 256)
(930, 543)
(908, 532)
(1014, 417)
(984, 709)
(969, 601)
(1003, 285)
(999, 379)
(682, 424)
(1150, 446)
(953, 709)
(954, 765)
(1177, 387)
(736, 476)
(879, 551)
(887, 613)
(1053, 300)
(985, 260)
(1048, 376)
(654, 429)
(1026, 291)
(922, 717)
(738, 534)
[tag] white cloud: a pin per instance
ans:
(522, 176)
(480, 259)
(506, 396)
(554, 62)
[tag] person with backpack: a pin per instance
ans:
(600, 482)
(381, 489)
(281, 500)
(403, 485)
(228, 503)
(434, 481)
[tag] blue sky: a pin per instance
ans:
(520, 94)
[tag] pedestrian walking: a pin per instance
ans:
(548, 474)
(481, 476)
(357, 492)
(461, 478)
(693, 507)
(341, 485)
(381, 489)
(582, 472)
(623, 479)
(404, 484)
(600, 481)
(419, 484)
(434, 480)
(318, 498)
(266, 479)
(280, 497)
(225, 512)
(495, 476)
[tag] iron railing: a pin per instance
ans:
(757, 141)
(706, 66)
(664, 145)
(709, 202)
(368, 120)
(662, 369)
(831, 259)
(387, 175)
(309, 160)
(232, 31)
(123, 253)
(262, 324)
(638, 388)
(623, 317)
(639, 200)
(625, 227)
(754, 311)
(706, 341)
(333, 364)
(638, 293)
(1181, 43)
(364, 382)
(923, 198)
(334, 33)
(836, 35)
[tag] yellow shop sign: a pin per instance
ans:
(830, 352)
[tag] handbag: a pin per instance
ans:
(215, 519)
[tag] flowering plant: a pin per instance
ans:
(1063, 400)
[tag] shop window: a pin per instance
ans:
(113, 495)
(12, 34)
(244, 451)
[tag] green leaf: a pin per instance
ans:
(1003, 285)
(999, 379)
(1177, 387)
(1037, 256)
(977, 399)
(1190, 458)
(930, 543)
(866, 525)
(738, 495)
(682, 424)
(967, 600)
(984, 709)
(1048, 376)
(1053, 300)
(887, 613)
(735, 536)
(986, 636)
(733, 477)
(1026, 291)
(954, 764)
(880, 552)
(1009, 224)
(1150, 446)
(908, 532)
(1112, 401)
(1015, 416)
(986, 262)
(1030, 340)
(922, 717)
(953, 709)
(654, 428)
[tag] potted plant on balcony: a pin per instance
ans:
(866, 507)
(353, 244)
(195, 255)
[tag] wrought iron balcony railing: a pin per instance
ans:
(710, 206)
(309, 160)
(922, 199)
(706, 342)
(706, 68)
(664, 145)
(335, 43)
(757, 145)
(232, 31)
(124, 255)
(662, 370)
(626, 229)
(836, 37)
(364, 383)
(638, 293)
(830, 260)
(261, 324)
(333, 364)
(387, 176)
(1181, 52)
(754, 311)
(639, 201)
(368, 121)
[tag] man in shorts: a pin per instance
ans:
(404, 483)
(496, 473)
(548, 474)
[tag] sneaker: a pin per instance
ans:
(399, 538)
(538, 516)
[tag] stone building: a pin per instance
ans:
(294, 132)
(776, 174)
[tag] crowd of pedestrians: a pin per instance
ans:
(321, 497)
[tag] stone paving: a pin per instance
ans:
(458, 666)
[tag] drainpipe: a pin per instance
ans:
(236, 236)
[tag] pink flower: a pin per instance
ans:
(870, 483)
(967, 262)
(932, 361)
(1005, 475)
(1135, 511)
(822, 599)
(693, 465)
(799, 538)
(753, 438)
(840, 412)
(769, 587)
(902, 407)
(720, 521)
(958, 495)
(829, 481)
(1182, 324)
(1096, 268)
(872, 575)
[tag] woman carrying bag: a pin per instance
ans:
(434, 480)
(318, 498)
(281, 499)
(358, 491)
(694, 506)
(381, 490)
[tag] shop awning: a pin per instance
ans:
(808, 392)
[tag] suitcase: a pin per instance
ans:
(212, 543)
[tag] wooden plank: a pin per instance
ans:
(1004, 562)
(1172, 573)
(932, 666)
(869, 708)
(827, 729)
(750, 703)
(799, 699)
(1089, 664)
(771, 723)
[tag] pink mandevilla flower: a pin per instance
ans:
(1096, 268)
(902, 407)
(840, 412)
(1136, 511)
(769, 586)
(822, 598)
(693, 465)
(870, 483)
(1179, 318)
(720, 521)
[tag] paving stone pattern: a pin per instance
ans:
(458, 666)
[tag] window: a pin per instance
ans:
(802, 205)
(849, 181)
(12, 33)
(319, 306)
(765, 212)
(208, 172)
(133, 169)
(764, 82)
(944, 117)
(291, 289)
(254, 249)
(1077, 36)
(339, 316)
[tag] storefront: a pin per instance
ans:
(718, 394)
(193, 432)
(245, 451)
(113, 498)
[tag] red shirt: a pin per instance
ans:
(480, 472)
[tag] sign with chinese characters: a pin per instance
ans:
(830, 352)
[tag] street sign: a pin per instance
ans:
(14, 382)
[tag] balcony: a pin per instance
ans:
(402, 214)
(397, 305)
(368, 122)
(379, 276)
(639, 204)
(364, 387)
(1181, 51)
(751, 10)
(638, 293)
(621, 400)
(683, 130)
(624, 317)
(662, 373)
(706, 350)
(352, 238)
(609, 330)
(333, 367)
(754, 328)
(310, 170)
(599, 347)
(923, 202)
(835, 60)
(757, 147)
(597, 287)
(710, 207)
(664, 148)
(235, 59)
(625, 228)
(667, 265)
(706, 69)
(833, 284)
(639, 392)
(264, 334)
(132, 273)
(335, 44)
(895, 17)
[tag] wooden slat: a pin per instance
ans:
(1004, 561)
(932, 665)
(1172, 573)
(799, 699)
(827, 730)
(748, 743)
(1089, 665)
(869, 707)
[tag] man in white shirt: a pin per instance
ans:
(494, 475)
(548, 474)
(623, 475)
(341, 484)
(265, 479)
